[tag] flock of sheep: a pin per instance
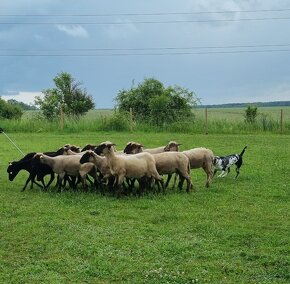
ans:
(107, 169)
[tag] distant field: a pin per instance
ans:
(237, 114)
(237, 231)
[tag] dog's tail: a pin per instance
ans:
(242, 153)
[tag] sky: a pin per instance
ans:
(224, 51)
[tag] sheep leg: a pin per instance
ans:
(119, 181)
(60, 179)
(189, 184)
(50, 181)
(26, 183)
(160, 182)
(83, 181)
(168, 180)
(209, 175)
(174, 183)
(181, 180)
(31, 179)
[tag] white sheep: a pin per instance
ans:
(67, 165)
(130, 166)
(100, 162)
(168, 163)
(201, 158)
(134, 148)
(172, 163)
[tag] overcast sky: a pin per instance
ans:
(220, 56)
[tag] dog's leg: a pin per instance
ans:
(222, 174)
(238, 171)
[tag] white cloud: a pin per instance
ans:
(25, 97)
(73, 30)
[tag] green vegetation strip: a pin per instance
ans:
(237, 231)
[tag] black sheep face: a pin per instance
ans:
(128, 148)
(12, 172)
(99, 149)
(86, 157)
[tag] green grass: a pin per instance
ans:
(237, 231)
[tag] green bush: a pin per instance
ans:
(119, 121)
(251, 114)
(9, 111)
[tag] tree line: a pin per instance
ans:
(150, 100)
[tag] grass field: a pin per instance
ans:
(236, 231)
(220, 120)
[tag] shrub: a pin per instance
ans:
(251, 114)
(9, 111)
(119, 121)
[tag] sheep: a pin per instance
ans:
(134, 148)
(170, 161)
(35, 169)
(89, 147)
(201, 158)
(69, 152)
(132, 166)
(101, 163)
(73, 148)
(67, 164)
(174, 162)
(27, 163)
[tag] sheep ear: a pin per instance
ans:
(179, 144)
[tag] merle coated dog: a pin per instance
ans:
(224, 163)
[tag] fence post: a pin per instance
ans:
(131, 120)
(281, 121)
(61, 121)
(206, 122)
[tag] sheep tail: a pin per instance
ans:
(242, 153)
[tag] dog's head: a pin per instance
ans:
(216, 160)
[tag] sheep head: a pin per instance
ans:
(87, 157)
(89, 147)
(133, 148)
(38, 156)
(172, 146)
(105, 147)
(72, 147)
(12, 172)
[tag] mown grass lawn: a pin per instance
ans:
(237, 231)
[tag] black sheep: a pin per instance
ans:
(35, 169)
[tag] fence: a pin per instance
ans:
(268, 119)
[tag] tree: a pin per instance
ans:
(150, 100)
(67, 96)
(9, 111)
